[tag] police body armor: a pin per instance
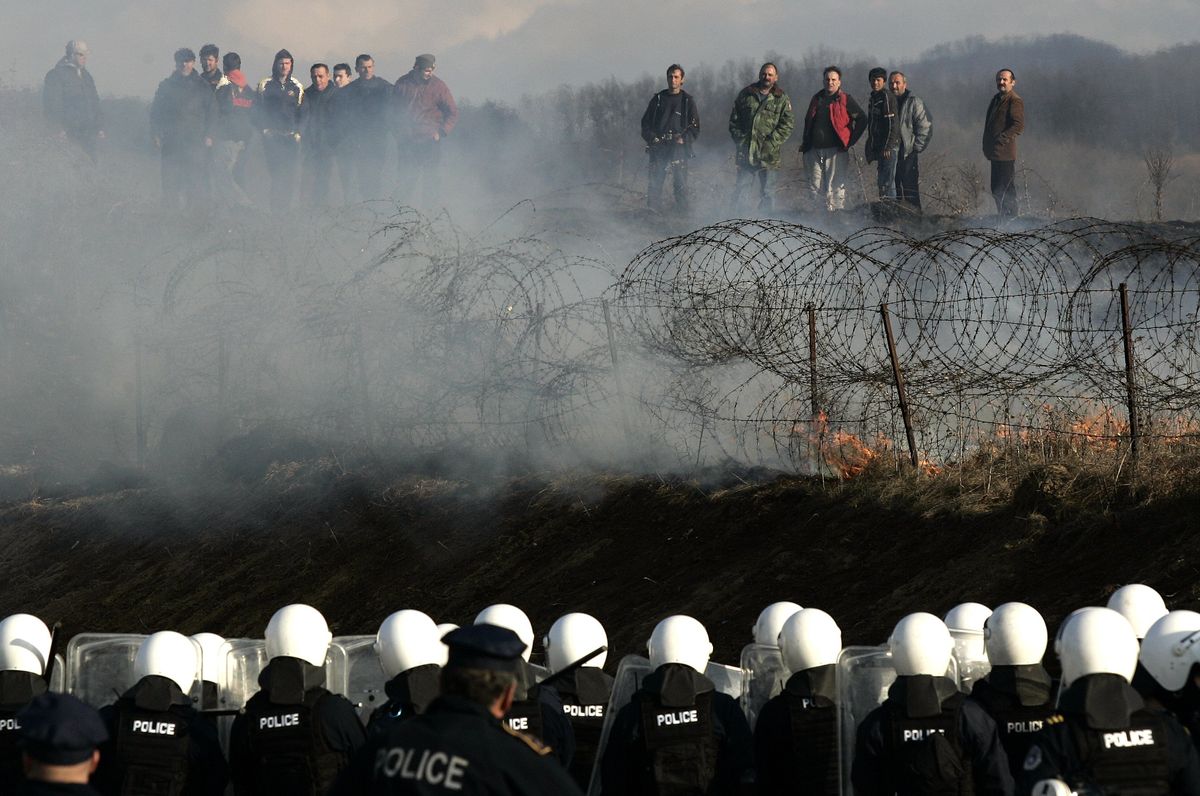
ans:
(409, 694)
(924, 738)
(151, 743)
(294, 755)
(813, 719)
(526, 716)
(1019, 699)
(17, 689)
(677, 732)
(585, 696)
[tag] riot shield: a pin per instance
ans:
(970, 654)
(244, 662)
(58, 677)
(540, 672)
(632, 670)
(727, 679)
(100, 666)
(763, 677)
(355, 666)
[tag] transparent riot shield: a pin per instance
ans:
(763, 677)
(540, 672)
(727, 679)
(354, 664)
(971, 656)
(58, 677)
(100, 666)
(632, 670)
(244, 662)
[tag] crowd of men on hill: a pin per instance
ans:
(204, 117)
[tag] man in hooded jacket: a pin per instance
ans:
(279, 99)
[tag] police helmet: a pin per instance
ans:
(1140, 604)
(770, 622)
(571, 637)
(1172, 648)
(680, 639)
(213, 648)
(809, 638)
(1097, 641)
(512, 617)
(298, 631)
(171, 655)
(967, 616)
(408, 639)
(442, 630)
(24, 644)
(921, 644)
(1052, 787)
(1015, 635)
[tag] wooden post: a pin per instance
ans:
(900, 390)
(616, 369)
(139, 415)
(812, 361)
(1130, 386)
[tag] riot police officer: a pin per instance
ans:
(1018, 692)
(1170, 660)
(1103, 738)
(537, 709)
(579, 678)
(25, 643)
(965, 622)
(1141, 606)
(678, 734)
(411, 654)
(460, 744)
(927, 737)
(796, 738)
(158, 744)
(213, 649)
(293, 736)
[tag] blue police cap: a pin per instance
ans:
(59, 730)
(484, 647)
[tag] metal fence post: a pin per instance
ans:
(900, 390)
(1130, 387)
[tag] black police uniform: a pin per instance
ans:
(159, 745)
(678, 735)
(458, 745)
(17, 690)
(585, 693)
(293, 736)
(928, 738)
(796, 737)
(1104, 739)
(59, 730)
(1018, 698)
(409, 695)
(538, 711)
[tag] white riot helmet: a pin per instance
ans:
(442, 630)
(810, 638)
(24, 644)
(571, 637)
(1097, 641)
(408, 639)
(680, 639)
(512, 617)
(1015, 635)
(298, 631)
(967, 616)
(921, 644)
(171, 655)
(770, 622)
(1139, 604)
(1171, 648)
(213, 648)
(1052, 787)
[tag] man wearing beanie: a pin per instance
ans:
(426, 114)
(182, 119)
(70, 101)
(279, 99)
(59, 736)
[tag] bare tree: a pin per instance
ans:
(1159, 165)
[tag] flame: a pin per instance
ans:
(846, 454)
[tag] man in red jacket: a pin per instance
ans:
(833, 124)
(426, 114)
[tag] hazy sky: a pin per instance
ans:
(504, 48)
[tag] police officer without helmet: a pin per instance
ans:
(460, 744)
(58, 738)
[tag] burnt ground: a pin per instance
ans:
(361, 542)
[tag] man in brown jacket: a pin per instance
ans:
(1005, 121)
(426, 114)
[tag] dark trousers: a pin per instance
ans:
(419, 162)
(183, 176)
(282, 153)
(318, 175)
(1004, 187)
(370, 158)
(908, 178)
(666, 159)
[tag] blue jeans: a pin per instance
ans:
(765, 178)
(887, 174)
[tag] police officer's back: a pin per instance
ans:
(578, 676)
(1103, 739)
(927, 737)
(158, 743)
(25, 643)
(411, 654)
(460, 743)
(1018, 692)
(293, 736)
(796, 737)
(678, 735)
(58, 737)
